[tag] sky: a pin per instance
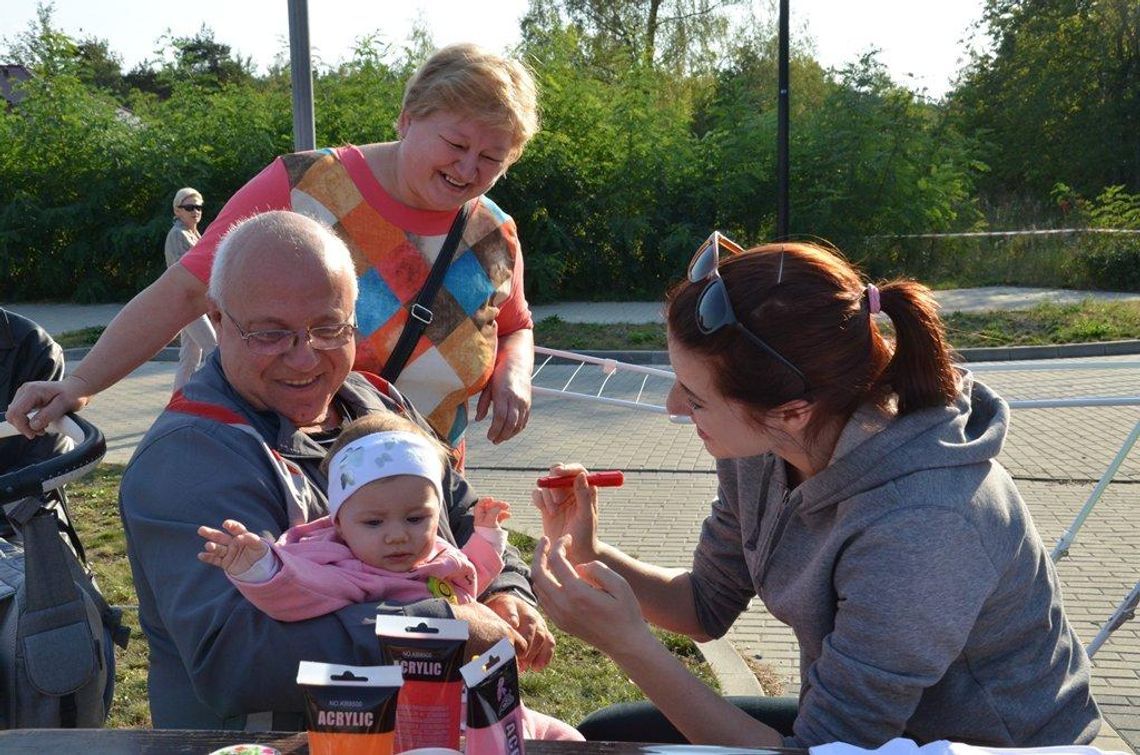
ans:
(921, 43)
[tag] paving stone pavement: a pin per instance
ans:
(1057, 455)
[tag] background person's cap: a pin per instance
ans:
(187, 193)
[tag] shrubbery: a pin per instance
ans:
(637, 162)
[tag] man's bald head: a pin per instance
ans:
(279, 276)
(277, 239)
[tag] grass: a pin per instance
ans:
(82, 337)
(579, 680)
(94, 506)
(1047, 324)
(556, 333)
(1044, 324)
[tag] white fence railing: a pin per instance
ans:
(984, 234)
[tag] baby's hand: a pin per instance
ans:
(491, 513)
(234, 550)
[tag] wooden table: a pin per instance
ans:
(162, 741)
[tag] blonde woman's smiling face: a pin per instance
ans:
(445, 159)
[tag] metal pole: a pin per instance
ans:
(1125, 611)
(1062, 548)
(301, 65)
(782, 170)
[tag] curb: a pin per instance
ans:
(730, 669)
(168, 354)
(1057, 351)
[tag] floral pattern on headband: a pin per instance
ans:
(352, 457)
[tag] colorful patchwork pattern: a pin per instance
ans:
(456, 354)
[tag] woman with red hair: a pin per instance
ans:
(860, 499)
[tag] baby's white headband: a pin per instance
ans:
(380, 455)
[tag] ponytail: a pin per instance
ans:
(921, 371)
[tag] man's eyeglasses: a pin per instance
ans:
(190, 207)
(275, 342)
(714, 308)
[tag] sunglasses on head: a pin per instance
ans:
(714, 307)
(190, 207)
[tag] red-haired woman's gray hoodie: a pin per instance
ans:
(922, 597)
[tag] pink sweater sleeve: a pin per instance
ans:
(317, 578)
(485, 558)
(268, 190)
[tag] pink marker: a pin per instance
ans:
(612, 478)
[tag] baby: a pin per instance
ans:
(380, 540)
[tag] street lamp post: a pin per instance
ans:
(301, 68)
(782, 162)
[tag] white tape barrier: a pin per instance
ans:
(980, 234)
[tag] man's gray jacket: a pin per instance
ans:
(214, 657)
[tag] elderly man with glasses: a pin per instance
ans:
(196, 340)
(244, 439)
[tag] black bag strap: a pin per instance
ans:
(420, 314)
(53, 623)
(52, 577)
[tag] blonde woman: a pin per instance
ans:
(466, 117)
(197, 339)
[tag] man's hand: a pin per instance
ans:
(48, 400)
(485, 628)
(530, 624)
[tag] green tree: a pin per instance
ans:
(675, 35)
(1058, 96)
(736, 123)
(877, 159)
(599, 195)
(359, 100)
(200, 59)
(100, 67)
(41, 48)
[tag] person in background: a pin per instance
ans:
(466, 117)
(860, 498)
(196, 339)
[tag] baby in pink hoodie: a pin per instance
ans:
(380, 540)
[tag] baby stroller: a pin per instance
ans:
(56, 631)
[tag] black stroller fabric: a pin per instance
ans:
(57, 663)
(26, 353)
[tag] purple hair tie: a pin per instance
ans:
(873, 299)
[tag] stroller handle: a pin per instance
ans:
(90, 446)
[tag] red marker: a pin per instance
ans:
(612, 478)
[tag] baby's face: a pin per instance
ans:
(391, 523)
